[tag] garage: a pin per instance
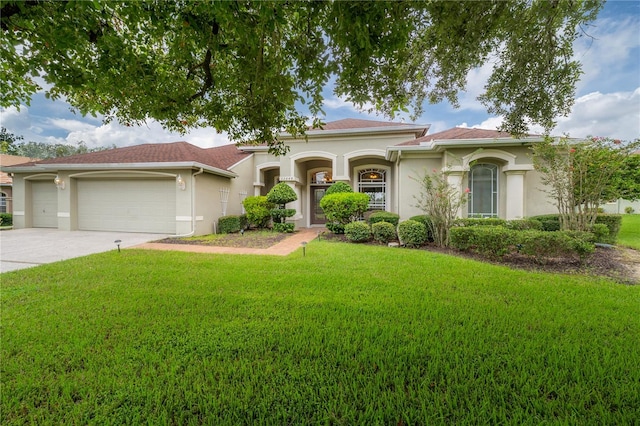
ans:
(128, 205)
(44, 204)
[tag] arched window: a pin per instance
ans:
(483, 183)
(322, 177)
(373, 182)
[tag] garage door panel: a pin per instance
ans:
(44, 204)
(132, 205)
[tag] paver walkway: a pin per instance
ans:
(282, 248)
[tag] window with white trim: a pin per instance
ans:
(3, 202)
(483, 195)
(373, 182)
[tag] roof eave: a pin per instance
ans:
(123, 166)
(418, 130)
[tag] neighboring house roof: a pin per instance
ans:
(176, 154)
(10, 160)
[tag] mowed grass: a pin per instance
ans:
(629, 235)
(347, 335)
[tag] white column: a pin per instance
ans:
(515, 194)
(455, 181)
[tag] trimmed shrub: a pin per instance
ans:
(425, 219)
(281, 194)
(541, 245)
(600, 232)
(550, 225)
(613, 222)
(258, 210)
(524, 224)
(383, 232)
(229, 224)
(342, 208)
(490, 221)
(629, 210)
(338, 187)
(6, 219)
(381, 216)
(357, 232)
(493, 241)
(284, 227)
(412, 233)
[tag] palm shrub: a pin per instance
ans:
(280, 195)
(412, 233)
(342, 208)
(357, 232)
(383, 232)
(258, 210)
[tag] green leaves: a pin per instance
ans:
(242, 67)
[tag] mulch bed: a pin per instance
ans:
(605, 262)
(250, 239)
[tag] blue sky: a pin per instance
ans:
(607, 99)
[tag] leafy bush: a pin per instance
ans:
(258, 210)
(284, 227)
(493, 241)
(412, 233)
(600, 232)
(550, 225)
(342, 208)
(524, 224)
(281, 215)
(383, 232)
(426, 221)
(338, 187)
(281, 194)
(6, 219)
(629, 210)
(357, 232)
(490, 221)
(229, 224)
(613, 222)
(541, 245)
(381, 216)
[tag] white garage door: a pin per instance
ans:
(130, 205)
(44, 204)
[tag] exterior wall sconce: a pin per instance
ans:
(59, 182)
(180, 183)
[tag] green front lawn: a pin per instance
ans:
(629, 235)
(348, 335)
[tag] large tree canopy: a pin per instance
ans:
(244, 66)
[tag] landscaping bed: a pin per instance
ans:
(259, 239)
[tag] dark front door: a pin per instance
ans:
(317, 215)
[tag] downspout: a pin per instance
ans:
(398, 182)
(193, 206)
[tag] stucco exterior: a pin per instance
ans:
(385, 160)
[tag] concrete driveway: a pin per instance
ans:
(24, 248)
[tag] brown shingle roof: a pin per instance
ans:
(221, 157)
(356, 123)
(10, 160)
(459, 133)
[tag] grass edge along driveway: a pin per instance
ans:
(346, 335)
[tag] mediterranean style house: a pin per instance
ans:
(180, 189)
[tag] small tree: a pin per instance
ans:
(580, 176)
(280, 195)
(441, 202)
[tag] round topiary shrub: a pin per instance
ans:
(383, 232)
(412, 233)
(343, 208)
(280, 195)
(357, 232)
(338, 187)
